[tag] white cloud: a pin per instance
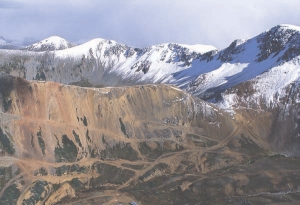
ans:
(146, 22)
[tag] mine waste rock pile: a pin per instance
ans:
(143, 144)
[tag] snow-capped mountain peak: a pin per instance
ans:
(289, 26)
(50, 44)
(265, 65)
(282, 38)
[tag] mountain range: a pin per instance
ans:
(200, 69)
(6, 43)
(167, 124)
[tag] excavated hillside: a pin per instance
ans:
(152, 144)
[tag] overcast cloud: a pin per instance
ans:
(143, 23)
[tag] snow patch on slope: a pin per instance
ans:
(272, 84)
(199, 48)
(83, 49)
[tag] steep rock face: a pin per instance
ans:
(60, 143)
(280, 38)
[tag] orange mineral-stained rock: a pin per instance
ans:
(148, 143)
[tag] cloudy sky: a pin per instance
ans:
(142, 23)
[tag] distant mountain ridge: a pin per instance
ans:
(7, 44)
(16, 44)
(201, 70)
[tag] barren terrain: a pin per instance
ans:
(152, 144)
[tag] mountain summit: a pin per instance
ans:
(50, 44)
